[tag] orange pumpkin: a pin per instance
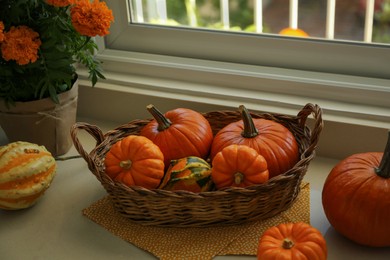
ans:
(292, 241)
(356, 197)
(135, 160)
(270, 139)
(179, 133)
(293, 32)
(238, 166)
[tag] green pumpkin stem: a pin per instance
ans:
(384, 167)
(250, 129)
(163, 122)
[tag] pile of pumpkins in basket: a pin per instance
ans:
(178, 151)
(171, 153)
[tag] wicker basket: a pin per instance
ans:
(225, 207)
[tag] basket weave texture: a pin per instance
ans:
(229, 206)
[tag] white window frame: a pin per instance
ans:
(351, 82)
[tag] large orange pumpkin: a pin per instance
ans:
(238, 166)
(179, 133)
(135, 160)
(292, 241)
(356, 197)
(270, 139)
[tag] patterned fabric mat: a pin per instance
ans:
(195, 243)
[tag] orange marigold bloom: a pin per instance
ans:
(60, 3)
(1, 31)
(21, 44)
(91, 19)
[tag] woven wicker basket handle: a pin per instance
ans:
(316, 111)
(93, 130)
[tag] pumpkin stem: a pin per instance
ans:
(32, 150)
(163, 122)
(250, 129)
(238, 178)
(384, 167)
(287, 243)
(125, 164)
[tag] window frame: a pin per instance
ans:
(261, 50)
(194, 65)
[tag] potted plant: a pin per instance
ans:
(41, 44)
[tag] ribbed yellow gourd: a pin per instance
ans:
(26, 172)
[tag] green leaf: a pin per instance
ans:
(53, 94)
(100, 75)
(94, 78)
(43, 88)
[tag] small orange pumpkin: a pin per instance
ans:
(238, 166)
(292, 241)
(135, 160)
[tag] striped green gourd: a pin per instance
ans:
(190, 173)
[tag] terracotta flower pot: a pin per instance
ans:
(42, 121)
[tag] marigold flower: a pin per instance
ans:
(1, 31)
(60, 3)
(91, 19)
(21, 44)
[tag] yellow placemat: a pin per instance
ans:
(195, 243)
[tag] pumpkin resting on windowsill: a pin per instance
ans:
(356, 197)
(292, 241)
(26, 172)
